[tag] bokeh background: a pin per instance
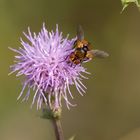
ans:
(111, 108)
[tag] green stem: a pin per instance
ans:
(54, 117)
(58, 129)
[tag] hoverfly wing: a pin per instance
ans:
(99, 53)
(80, 33)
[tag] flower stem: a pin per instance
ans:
(58, 129)
(54, 117)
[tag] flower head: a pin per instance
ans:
(43, 62)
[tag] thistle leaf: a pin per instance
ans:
(125, 3)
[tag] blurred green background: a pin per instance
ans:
(111, 108)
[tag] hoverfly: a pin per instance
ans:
(83, 50)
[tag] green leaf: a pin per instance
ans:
(137, 3)
(125, 3)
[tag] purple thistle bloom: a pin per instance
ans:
(44, 64)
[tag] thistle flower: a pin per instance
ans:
(43, 62)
